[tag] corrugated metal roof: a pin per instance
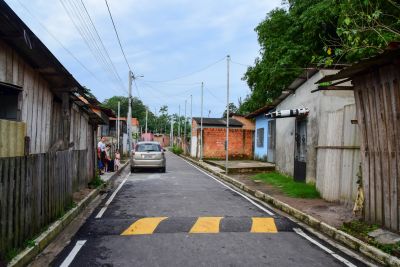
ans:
(15, 33)
(218, 122)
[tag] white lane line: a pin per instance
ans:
(333, 254)
(103, 209)
(71, 256)
(240, 194)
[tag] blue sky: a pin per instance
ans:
(163, 40)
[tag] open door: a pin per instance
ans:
(300, 153)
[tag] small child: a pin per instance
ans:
(117, 158)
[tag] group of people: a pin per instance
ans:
(104, 160)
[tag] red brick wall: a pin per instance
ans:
(240, 143)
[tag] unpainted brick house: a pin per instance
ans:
(241, 133)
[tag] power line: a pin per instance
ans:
(192, 73)
(60, 43)
(116, 33)
(86, 28)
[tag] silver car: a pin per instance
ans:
(148, 155)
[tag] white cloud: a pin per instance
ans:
(162, 39)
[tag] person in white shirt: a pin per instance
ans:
(102, 147)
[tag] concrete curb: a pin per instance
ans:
(45, 238)
(347, 240)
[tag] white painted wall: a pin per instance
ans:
(319, 104)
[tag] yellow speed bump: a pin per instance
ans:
(206, 225)
(263, 225)
(143, 226)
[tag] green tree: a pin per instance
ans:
(289, 39)
(232, 109)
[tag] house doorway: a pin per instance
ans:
(271, 140)
(300, 153)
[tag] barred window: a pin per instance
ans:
(260, 137)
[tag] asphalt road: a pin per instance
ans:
(184, 217)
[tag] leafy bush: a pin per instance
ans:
(177, 150)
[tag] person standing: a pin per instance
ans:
(117, 158)
(102, 147)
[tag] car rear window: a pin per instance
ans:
(148, 147)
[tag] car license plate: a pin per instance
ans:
(147, 156)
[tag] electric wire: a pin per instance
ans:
(116, 33)
(192, 73)
(86, 28)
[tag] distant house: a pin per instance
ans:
(214, 135)
(163, 139)
(321, 147)
(377, 91)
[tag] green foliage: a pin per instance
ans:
(288, 186)
(364, 29)
(232, 109)
(312, 32)
(96, 181)
(177, 150)
(360, 229)
(289, 38)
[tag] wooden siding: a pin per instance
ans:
(12, 138)
(37, 189)
(37, 98)
(338, 156)
(378, 109)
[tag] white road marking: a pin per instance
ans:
(103, 209)
(240, 194)
(71, 256)
(333, 254)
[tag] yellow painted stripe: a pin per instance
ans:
(143, 226)
(263, 225)
(206, 225)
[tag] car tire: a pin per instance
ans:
(163, 169)
(132, 170)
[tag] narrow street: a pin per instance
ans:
(185, 217)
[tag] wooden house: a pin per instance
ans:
(47, 134)
(376, 84)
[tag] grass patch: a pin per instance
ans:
(288, 186)
(360, 229)
(96, 181)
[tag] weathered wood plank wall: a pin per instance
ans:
(338, 156)
(377, 96)
(35, 190)
(37, 98)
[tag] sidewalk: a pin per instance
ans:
(334, 214)
(322, 216)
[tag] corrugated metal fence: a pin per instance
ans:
(338, 156)
(37, 189)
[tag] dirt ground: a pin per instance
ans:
(331, 213)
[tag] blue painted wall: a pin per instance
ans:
(260, 153)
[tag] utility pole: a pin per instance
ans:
(191, 121)
(179, 123)
(228, 58)
(118, 133)
(146, 119)
(172, 132)
(201, 124)
(184, 133)
(129, 117)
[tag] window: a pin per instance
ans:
(260, 137)
(148, 147)
(9, 103)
